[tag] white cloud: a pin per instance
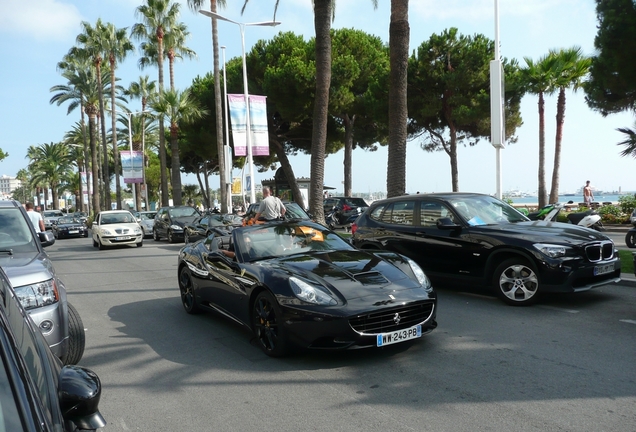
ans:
(39, 19)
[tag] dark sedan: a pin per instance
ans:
(298, 284)
(210, 223)
(36, 393)
(169, 222)
(479, 240)
(67, 226)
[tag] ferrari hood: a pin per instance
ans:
(354, 274)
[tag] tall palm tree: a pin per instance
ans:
(629, 142)
(116, 47)
(572, 67)
(92, 46)
(75, 139)
(177, 107)
(158, 17)
(539, 77)
(214, 4)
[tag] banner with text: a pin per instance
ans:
(131, 166)
(258, 124)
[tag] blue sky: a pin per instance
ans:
(35, 35)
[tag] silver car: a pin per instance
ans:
(33, 277)
(146, 220)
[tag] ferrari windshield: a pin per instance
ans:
(485, 210)
(267, 241)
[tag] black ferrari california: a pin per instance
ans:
(298, 284)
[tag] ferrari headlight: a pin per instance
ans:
(38, 294)
(420, 275)
(552, 250)
(310, 293)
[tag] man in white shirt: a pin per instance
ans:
(271, 208)
(36, 218)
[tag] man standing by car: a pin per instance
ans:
(271, 208)
(35, 217)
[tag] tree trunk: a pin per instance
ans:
(399, 52)
(102, 121)
(165, 196)
(560, 119)
(95, 164)
(176, 172)
(542, 192)
(218, 99)
(453, 158)
(322, 23)
(289, 172)
(114, 134)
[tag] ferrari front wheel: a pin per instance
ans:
(267, 323)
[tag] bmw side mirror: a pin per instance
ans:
(79, 391)
(46, 238)
(447, 224)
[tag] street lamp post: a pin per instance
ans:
(227, 153)
(250, 161)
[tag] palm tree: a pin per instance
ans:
(538, 77)
(92, 42)
(196, 5)
(629, 142)
(572, 66)
(159, 16)
(75, 138)
(177, 107)
(49, 165)
(116, 46)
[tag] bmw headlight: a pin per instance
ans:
(552, 250)
(420, 275)
(38, 294)
(310, 293)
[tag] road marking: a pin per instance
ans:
(628, 321)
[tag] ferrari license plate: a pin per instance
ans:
(603, 269)
(399, 335)
(122, 238)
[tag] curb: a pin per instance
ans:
(627, 280)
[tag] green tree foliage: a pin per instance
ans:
(449, 96)
(3, 155)
(611, 87)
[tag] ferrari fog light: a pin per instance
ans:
(46, 326)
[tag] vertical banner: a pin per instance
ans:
(87, 185)
(236, 186)
(258, 124)
(131, 166)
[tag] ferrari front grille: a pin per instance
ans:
(393, 319)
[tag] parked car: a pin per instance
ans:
(209, 223)
(115, 228)
(482, 241)
(68, 226)
(169, 222)
(50, 217)
(37, 393)
(36, 284)
(146, 220)
(298, 284)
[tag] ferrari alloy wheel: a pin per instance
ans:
(516, 282)
(630, 239)
(187, 292)
(76, 337)
(267, 325)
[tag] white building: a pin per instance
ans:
(8, 184)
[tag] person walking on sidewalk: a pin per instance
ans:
(36, 218)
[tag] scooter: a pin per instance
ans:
(334, 219)
(588, 219)
(630, 237)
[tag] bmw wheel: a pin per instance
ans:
(630, 238)
(187, 292)
(267, 325)
(516, 282)
(76, 337)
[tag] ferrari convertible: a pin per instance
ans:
(299, 285)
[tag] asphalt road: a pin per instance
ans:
(566, 364)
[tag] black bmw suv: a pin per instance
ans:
(480, 240)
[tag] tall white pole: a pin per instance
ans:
(497, 124)
(250, 160)
(228, 160)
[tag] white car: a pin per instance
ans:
(116, 227)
